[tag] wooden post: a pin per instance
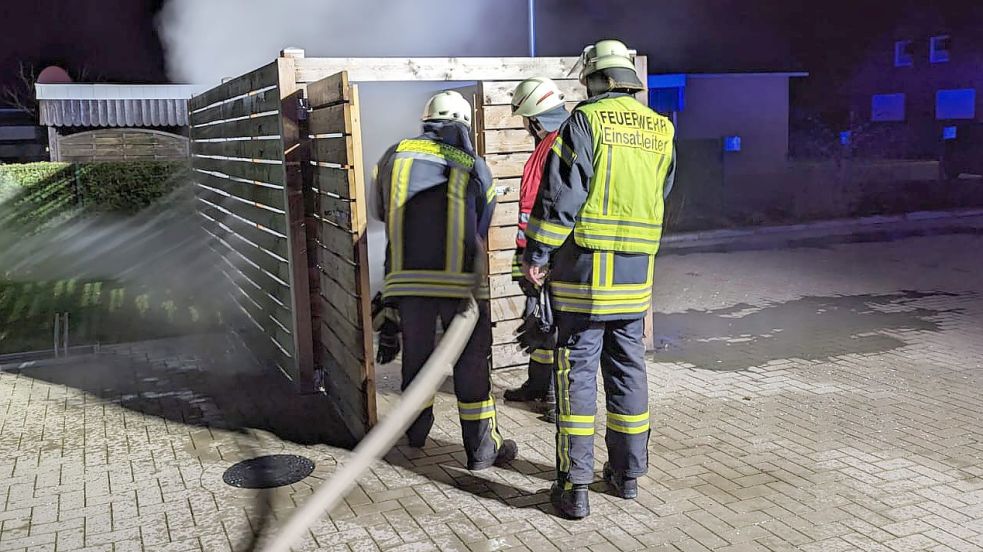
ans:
(292, 121)
(54, 151)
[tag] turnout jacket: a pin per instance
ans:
(597, 221)
(436, 197)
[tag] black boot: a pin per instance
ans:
(549, 413)
(571, 501)
(525, 393)
(619, 485)
(506, 454)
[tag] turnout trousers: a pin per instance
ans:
(618, 347)
(472, 373)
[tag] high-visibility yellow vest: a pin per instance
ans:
(632, 157)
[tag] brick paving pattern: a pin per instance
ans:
(815, 399)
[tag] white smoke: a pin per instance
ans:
(207, 40)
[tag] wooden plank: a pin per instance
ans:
(262, 318)
(500, 116)
(275, 244)
(501, 285)
(334, 209)
(360, 224)
(500, 92)
(334, 267)
(349, 400)
(351, 367)
(269, 307)
(436, 68)
(251, 278)
(500, 262)
(341, 326)
(507, 189)
(506, 214)
(330, 88)
(246, 106)
(260, 78)
(506, 356)
(243, 149)
(266, 125)
(503, 332)
(502, 238)
(292, 117)
(254, 215)
(332, 150)
(264, 268)
(342, 299)
(269, 173)
(261, 195)
(334, 180)
(506, 165)
(337, 240)
(507, 308)
(508, 141)
(331, 120)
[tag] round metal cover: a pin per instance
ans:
(266, 472)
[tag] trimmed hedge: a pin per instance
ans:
(41, 192)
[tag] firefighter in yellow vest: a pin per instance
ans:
(436, 197)
(592, 238)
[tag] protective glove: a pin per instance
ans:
(537, 330)
(385, 321)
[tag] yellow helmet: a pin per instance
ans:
(535, 96)
(448, 106)
(606, 54)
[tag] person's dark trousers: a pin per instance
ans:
(472, 373)
(618, 348)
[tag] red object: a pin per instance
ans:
(532, 176)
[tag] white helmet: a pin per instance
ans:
(535, 96)
(448, 106)
(606, 54)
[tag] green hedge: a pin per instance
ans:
(37, 193)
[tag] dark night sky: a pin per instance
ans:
(116, 40)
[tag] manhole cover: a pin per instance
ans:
(267, 472)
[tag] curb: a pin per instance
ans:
(814, 229)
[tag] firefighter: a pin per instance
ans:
(436, 197)
(540, 104)
(596, 228)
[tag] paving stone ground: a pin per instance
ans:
(815, 399)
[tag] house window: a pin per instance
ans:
(939, 48)
(902, 54)
(887, 107)
(949, 133)
(955, 104)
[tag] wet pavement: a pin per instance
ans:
(816, 398)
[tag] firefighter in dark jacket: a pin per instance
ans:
(540, 104)
(436, 197)
(596, 228)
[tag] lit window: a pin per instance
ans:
(846, 137)
(955, 104)
(887, 107)
(732, 143)
(902, 54)
(949, 133)
(939, 48)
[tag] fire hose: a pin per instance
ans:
(381, 439)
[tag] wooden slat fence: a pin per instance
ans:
(339, 250)
(249, 202)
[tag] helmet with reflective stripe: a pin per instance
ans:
(535, 96)
(448, 106)
(606, 54)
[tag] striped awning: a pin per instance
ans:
(101, 105)
(114, 113)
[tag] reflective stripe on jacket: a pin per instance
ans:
(436, 200)
(602, 263)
